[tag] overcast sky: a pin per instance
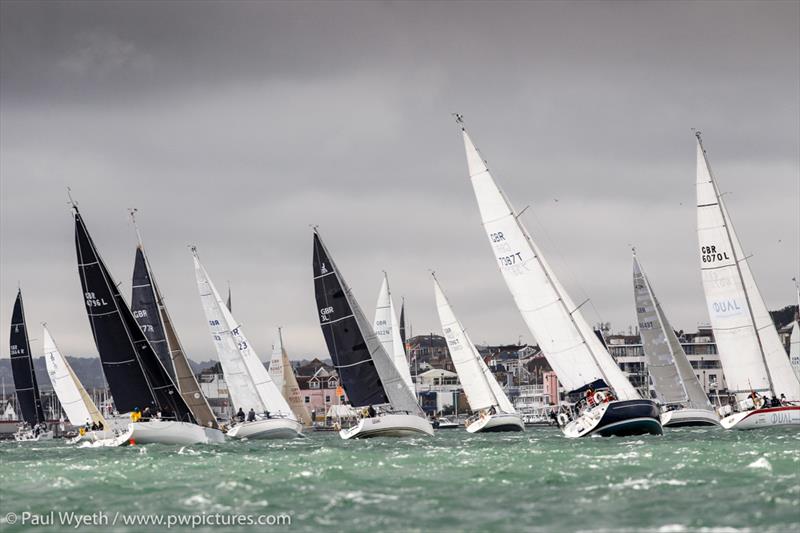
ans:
(235, 126)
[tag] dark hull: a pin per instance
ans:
(502, 429)
(689, 423)
(630, 417)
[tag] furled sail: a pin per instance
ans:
(72, 396)
(569, 344)
(280, 369)
(673, 377)
(249, 383)
(134, 373)
(752, 355)
(479, 384)
(388, 331)
(27, 389)
(365, 370)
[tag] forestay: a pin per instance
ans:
(569, 344)
(387, 329)
(479, 384)
(673, 377)
(752, 355)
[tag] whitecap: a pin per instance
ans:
(761, 463)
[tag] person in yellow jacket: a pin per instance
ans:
(135, 415)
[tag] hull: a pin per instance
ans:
(496, 423)
(689, 417)
(270, 428)
(391, 425)
(30, 436)
(787, 415)
(159, 432)
(620, 418)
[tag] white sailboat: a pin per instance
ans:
(492, 410)
(794, 339)
(684, 403)
(249, 384)
(753, 358)
(387, 328)
(580, 360)
(280, 370)
(366, 371)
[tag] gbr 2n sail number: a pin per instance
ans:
(505, 260)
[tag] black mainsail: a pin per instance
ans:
(22, 367)
(134, 372)
(402, 325)
(346, 344)
(145, 309)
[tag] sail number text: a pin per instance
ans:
(509, 260)
(324, 312)
(709, 254)
(94, 301)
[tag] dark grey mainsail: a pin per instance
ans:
(145, 309)
(134, 372)
(673, 378)
(25, 384)
(402, 326)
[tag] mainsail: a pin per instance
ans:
(673, 377)
(569, 344)
(280, 369)
(249, 382)
(366, 371)
(135, 374)
(752, 355)
(27, 389)
(72, 396)
(145, 309)
(479, 384)
(794, 340)
(402, 327)
(388, 331)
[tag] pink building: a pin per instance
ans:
(551, 386)
(319, 390)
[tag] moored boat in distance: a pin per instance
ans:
(753, 357)
(492, 410)
(684, 402)
(366, 371)
(570, 346)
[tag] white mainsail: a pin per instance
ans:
(569, 344)
(479, 384)
(794, 340)
(673, 377)
(387, 329)
(283, 377)
(249, 383)
(752, 355)
(76, 403)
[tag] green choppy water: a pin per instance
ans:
(687, 480)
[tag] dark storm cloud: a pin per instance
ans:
(236, 125)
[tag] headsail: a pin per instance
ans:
(284, 378)
(72, 396)
(30, 404)
(569, 344)
(388, 331)
(479, 384)
(794, 340)
(249, 383)
(365, 370)
(673, 377)
(135, 374)
(752, 355)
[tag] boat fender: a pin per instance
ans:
(562, 419)
(599, 396)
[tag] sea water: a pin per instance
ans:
(686, 480)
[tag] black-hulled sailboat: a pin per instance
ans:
(153, 318)
(135, 375)
(366, 371)
(28, 401)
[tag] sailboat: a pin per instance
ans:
(366, 371)
(752, 355)
(29, 402)
(153, 318)
(81, 411)
(387, 328)
(280, 369)
(249, 384)
(136, 376)
(612, 406)
(493, 412)
(683, 401)
(794, 339)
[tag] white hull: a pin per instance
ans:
(689, 417)
(269, 428)
(29, 436)
(785, 416)
(496, 423)
(391, 425)
(161, 432)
